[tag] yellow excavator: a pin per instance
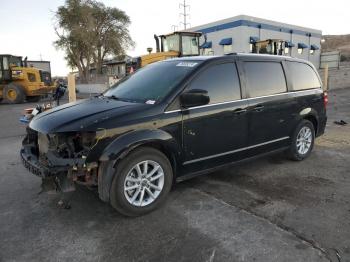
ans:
(18, 82)
(176, 44)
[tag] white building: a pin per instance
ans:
(248, 34)
(42, 65)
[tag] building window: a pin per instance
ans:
(301, 47)
(208, 51)
(286, 50)
(206, 48)
(313, 48)
(227, 45)
(227, 49)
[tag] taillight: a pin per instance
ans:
(325, 98)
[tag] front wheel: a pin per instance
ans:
(302, 141)
(13, 93)
(142, 182)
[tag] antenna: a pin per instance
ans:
(184, 14)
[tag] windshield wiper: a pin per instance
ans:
(113, 97)
(123, 99)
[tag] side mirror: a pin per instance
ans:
(194, 97)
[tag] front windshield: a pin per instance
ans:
(171, 43)
(15, 61)
(153, 82)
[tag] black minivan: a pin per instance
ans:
(175, 119)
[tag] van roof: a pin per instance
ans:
(248, 56)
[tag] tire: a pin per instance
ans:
(296, 151)
(33, 99)
(127, 176)
(13, 94)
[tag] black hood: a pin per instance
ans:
(84, 115)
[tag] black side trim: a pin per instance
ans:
(210, 170)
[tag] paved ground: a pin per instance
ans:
(269, 210)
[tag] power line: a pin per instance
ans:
(185, 14)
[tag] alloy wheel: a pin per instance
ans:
(304, 140)
(144, 183)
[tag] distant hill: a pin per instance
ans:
(337, 42)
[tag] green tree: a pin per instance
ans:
(88, 32)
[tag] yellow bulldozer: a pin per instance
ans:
(18, 82)
(176, 44)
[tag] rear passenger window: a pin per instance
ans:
(221, 81)
(264, 78)
(303, 76)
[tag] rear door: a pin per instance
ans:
(211, 133)
(271, 108)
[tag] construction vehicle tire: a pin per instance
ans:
(13, 94)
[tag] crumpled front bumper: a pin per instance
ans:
(54, 179)
(31, 162)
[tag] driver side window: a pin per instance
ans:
(221, 81)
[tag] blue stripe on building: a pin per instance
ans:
(256, 25)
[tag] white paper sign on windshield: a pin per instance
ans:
(187, 64)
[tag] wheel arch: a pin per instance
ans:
(123, 145)
(313, 119)
(311, 115)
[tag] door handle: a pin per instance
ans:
(239, 111)
(258, 108)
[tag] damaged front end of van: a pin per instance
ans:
(63, 146)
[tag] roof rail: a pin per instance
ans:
(234, 53)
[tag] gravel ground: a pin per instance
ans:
(270, 209)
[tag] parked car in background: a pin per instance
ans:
(176, 119)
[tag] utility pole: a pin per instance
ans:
(185, 14)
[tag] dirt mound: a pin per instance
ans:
(337, 42)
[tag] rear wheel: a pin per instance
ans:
(142, 182)
(13, 94)
(303, 141)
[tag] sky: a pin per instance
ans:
(26, 27)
